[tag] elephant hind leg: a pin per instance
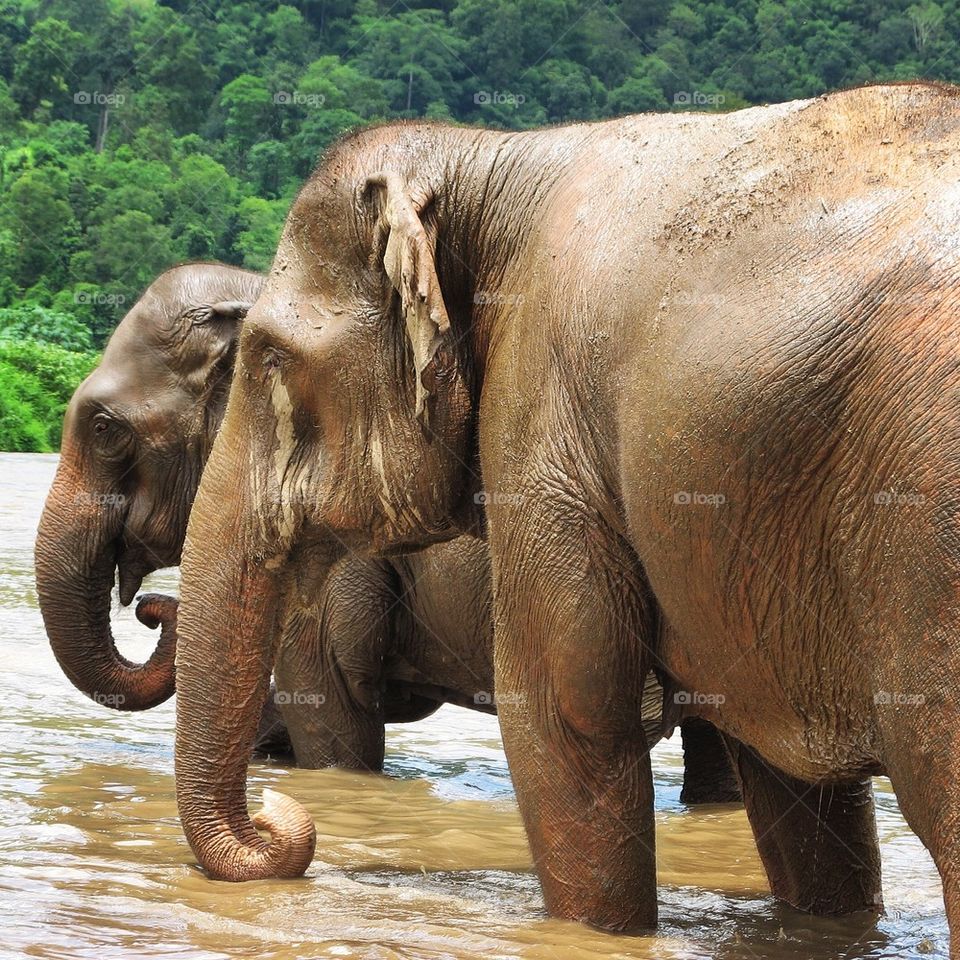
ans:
(708, 776)
(818, 844)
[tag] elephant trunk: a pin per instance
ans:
(228, 623)
(76, 556)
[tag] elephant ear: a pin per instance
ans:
(410, 264)
(225, 310)
(217, 328)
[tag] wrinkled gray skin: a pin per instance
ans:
(616, 325)
(136, 435)
(385, 641)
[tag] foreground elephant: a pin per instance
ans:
(708, 369)
(384, 640)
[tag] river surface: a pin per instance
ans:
(427, 862)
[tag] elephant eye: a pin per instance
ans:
(271, 360)
(110, 434)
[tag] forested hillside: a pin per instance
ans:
(134, 134)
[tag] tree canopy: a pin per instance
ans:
(135, 134)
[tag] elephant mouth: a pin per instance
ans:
(133, 566)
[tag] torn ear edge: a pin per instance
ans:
(408, 252)
(223, 310)
(226, 310)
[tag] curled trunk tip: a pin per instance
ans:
(293, 840)
(103, 674)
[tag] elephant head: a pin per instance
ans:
(350, 427)
(136, 436)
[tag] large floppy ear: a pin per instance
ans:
(408, 258)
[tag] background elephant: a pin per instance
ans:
(690, 355)
(136, 435)
(383, 640)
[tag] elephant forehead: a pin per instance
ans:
(138, 351)
(289, 322)
(109, 385)
(151, 402)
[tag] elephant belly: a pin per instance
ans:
(756, 634)
(749, 505)
(802, 731)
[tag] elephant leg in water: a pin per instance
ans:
(818, 844)
(587, 811)
(329, 670)
(708, 776)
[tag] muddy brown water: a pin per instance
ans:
(428, 862)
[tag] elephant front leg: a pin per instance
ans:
(332, 709)
(708, 776)
(572, 627)
(919, 720)
(818, 844)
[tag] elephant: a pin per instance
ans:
(384, 640)
(136, 436)
(705, 370)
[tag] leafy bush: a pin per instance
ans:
(36, 383)
(28, 321)
(25, 412)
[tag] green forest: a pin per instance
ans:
(135, 134)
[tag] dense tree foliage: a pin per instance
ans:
(36, 382)
(134, 133)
